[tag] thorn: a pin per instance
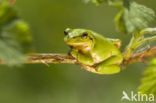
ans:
(45, 63)
(12, 2)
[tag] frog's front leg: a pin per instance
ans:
(82, 57)
(73, 52)
(109, 66)
(85, 58)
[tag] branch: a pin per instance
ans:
(49, 58)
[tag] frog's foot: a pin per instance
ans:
(73, 52)
(107, 69)
(69, 52)
(102, 68)
(110, 66)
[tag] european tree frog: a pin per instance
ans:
(96, 53)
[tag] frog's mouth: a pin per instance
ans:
(80, 46)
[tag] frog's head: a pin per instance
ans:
(78, 38)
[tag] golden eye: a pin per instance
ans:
(84, 35)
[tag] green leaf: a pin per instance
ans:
(109, 2)
(134, 17)
(15, 38)
(149, 80)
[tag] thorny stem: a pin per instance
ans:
(138, 40)
(51, 58)
(143, 56)
(131, 47)
(47, 58)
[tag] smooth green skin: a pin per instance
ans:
(99, 54)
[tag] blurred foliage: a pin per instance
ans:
(132, 17)
(149, 80)
(15, 37)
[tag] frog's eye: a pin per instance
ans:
(65, 32)
(85, 35)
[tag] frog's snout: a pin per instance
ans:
(66, 32)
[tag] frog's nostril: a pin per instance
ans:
(65, 32)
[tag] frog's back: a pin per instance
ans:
(103, 48)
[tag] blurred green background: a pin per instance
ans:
(66, 83)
